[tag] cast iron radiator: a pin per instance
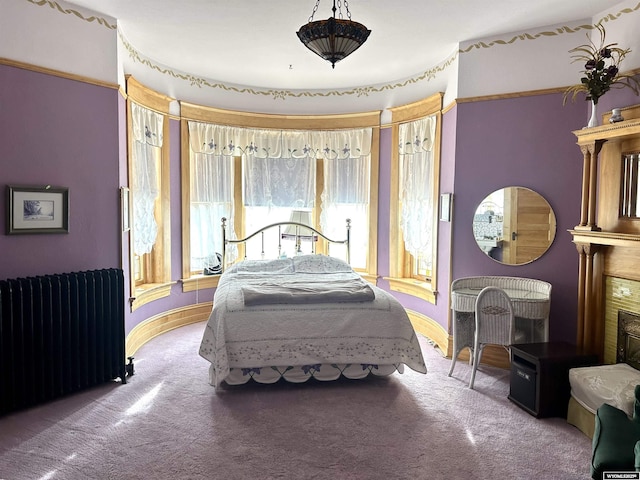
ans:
(60, 334)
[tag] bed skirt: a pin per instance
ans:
(580, 417)
(300, 374)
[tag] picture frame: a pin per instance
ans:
(36, 210)
(125, 208)
(445, 207)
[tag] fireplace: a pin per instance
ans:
(607, 245)
(628, 348)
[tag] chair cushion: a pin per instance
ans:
(614, 440)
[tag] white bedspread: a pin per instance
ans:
(239, 336)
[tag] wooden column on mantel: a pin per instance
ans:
(593, 241)
(590, 151)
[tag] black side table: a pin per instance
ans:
(540, 376)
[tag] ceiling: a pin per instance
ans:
(254, 43)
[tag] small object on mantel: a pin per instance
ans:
(616, 116)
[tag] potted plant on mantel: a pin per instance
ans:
(601, 72)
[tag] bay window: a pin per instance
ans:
(414, 193)
(274, 174)
(149, 241)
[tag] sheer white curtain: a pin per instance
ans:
(347, 169)
(212, 180)
(146, 154)
(416, 187)
(280, 172)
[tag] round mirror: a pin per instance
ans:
(514, 225)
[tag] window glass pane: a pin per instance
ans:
(422, 267)
(359, 233)
(211, 199)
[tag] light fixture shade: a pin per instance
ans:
(333, 39)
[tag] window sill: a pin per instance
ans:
(199, 282)
(150, 292)
(369, 277)
(412, 287)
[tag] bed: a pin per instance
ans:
(307, 316)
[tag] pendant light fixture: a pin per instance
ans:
(335, 38)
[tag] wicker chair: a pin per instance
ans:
(495, 323)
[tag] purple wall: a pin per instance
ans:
(445, 229)
(63, 133)
(525, 141)
(67, 133)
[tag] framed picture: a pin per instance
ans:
(445, 207)
(125, 208)
(37, 210)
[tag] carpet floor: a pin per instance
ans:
(167, 422)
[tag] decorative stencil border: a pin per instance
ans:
(68, 11)
(276, 94)
(558, 31)
(281, 94)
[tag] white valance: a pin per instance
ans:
(271, 143)
(146, 125)
(417, 136)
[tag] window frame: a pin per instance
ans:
(401, 276)
(192, 112)
(156, 279)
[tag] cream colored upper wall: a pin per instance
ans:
(53, 35)
(77, 42)
(623, 23)
(540, 59)
(517, 62)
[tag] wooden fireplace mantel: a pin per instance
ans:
(607, 244)
(606, 238)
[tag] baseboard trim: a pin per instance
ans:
(179, 317)
(163, 322)
(431, 329)
(493, 355)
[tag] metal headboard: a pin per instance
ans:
(227, 241)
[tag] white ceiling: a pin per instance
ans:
(254, 43)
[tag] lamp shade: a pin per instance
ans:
(298, 216)
(333, 39)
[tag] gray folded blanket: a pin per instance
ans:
(336, 291)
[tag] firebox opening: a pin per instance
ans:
(628, 345)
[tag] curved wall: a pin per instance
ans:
(71, 133)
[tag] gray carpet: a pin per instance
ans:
(169, 423)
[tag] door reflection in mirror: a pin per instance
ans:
(514, 225)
